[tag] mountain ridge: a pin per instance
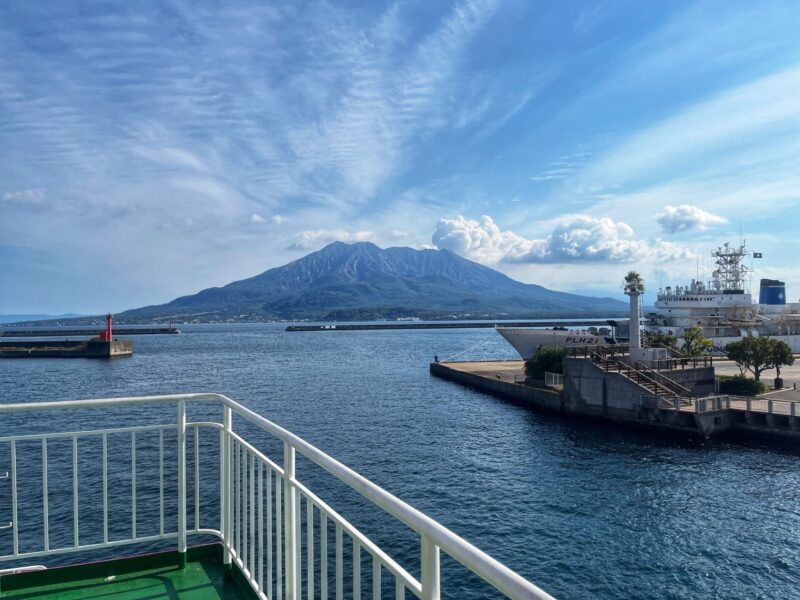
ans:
(361, 281)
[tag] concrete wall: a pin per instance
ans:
(699, 380)
(541, 398)
(590, 388)
(66, 349)
(591, 392)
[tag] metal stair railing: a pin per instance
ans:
(261, 523)
(638, 375)
(664, 380)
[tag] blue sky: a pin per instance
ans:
(151, 149)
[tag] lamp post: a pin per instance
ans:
(634, 288)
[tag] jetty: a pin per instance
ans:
(654, 388)
(84, 331)
(451, 325)
(66, 349)
(103, 345)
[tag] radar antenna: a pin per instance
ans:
(730, 272)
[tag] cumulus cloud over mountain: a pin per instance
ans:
(575, 238)
(687, 217)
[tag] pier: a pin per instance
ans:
(451, 325)
(601, 388)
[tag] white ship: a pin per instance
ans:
(527, 341)
(723, 308)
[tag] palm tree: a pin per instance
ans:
(633, 283)
(633, 277)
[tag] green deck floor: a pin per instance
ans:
(199, 580)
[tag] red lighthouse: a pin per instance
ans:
(106, 336)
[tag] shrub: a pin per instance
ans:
(740, 386)
(661, 340)
(546, 359)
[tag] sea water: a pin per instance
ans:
(583, 510)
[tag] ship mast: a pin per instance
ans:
(730, 272)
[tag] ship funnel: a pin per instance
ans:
(772, 292)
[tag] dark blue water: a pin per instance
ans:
(582, 510)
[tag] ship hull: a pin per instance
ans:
(527, 341)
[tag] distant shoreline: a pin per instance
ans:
(404, 323)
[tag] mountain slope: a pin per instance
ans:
(361, 281)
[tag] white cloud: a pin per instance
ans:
(575, 238)
(687, 217)
(259, 219)
(399, 234)
(312, 239)
(29, 196)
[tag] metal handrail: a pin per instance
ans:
(628, 369)
(433, 536)
(668, 383)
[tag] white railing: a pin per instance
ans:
(553, 379)
(260, 520)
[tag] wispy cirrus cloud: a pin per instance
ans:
(315, 239)
(30, 196)
(216, 120)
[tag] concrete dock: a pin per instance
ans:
(591, 389)
(66, 349)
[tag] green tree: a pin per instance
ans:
(758, 354)
(695, 343)
(661, 340)
(547, 358)
(782, 355)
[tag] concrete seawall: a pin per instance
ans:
(66, 349)
(591, 392)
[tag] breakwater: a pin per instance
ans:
(66, 349)
(85, 331)
(449, 325)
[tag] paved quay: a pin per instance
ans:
(504, 370)
(593, 390)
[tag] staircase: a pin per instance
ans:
(648, 379)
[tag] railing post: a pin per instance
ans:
(181, 483)
(792, 410)
(291, 548)
(748, 405)
(430, 570)
(769, 406)
(226, 509)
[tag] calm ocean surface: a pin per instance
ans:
(581, 510)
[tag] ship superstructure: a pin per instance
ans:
(723, 308)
